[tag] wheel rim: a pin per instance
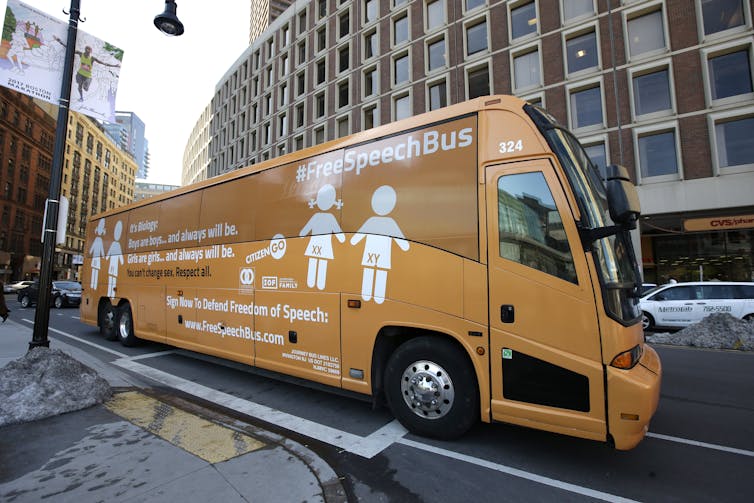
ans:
(124, 325)
(58, 302)
(427, 389)
(644, 321)
(25, 302)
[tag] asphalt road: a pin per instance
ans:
(700, 446)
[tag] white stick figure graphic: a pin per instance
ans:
(115, 256)
(98, 251)
(322, 226)
(380, 232)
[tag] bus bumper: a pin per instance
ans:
(633, 396)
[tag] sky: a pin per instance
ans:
(166, 81)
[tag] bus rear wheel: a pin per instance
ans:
(124, 326)
(431, 388)
(107, 322)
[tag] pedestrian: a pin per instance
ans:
(4, 311)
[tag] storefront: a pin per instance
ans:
(698, 247)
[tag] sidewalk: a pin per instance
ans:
(142, 445)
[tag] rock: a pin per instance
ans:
(716, 331)
(47, 382)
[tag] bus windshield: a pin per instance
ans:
(614, 255)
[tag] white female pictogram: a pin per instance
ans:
(322, 227)
(98, 252)
(380, 231)
(115, 256)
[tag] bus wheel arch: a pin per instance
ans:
(427, 380)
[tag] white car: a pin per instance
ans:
(18, 285)
(679, 305)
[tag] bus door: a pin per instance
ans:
(545, 353)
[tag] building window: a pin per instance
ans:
(586, 107)
(573, 9)
(581, 52)
(436, 55)
(526, 70)
(319, 135)
(302, 23)
(438, 95)
(343, 127)
(721, 15)
(370, 82)
(523, 20)
(300, 115)
(657, 154)
(370, 117)
(284, 66)
(730, 74)
(266, 136)
(319, 105)
(400, 29)
(476, 38)
(344, 58)
(321, 39)
(435, 14)
(652, 92)
(286, 35)
(321, 9)
(473, 4)
(402, 107)
(370, 11)
(645, 34)
(302, 53)
(370, 44)
(300, 83)
(344, 24)
(479, 82)
(400, 69)
(733, 146)
(298, 142)
(343, 94)
(321, 71)
(283, 126)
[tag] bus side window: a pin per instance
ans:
(530, 226)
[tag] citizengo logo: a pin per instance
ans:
(246, 279)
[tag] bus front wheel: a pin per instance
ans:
(431, 388)
(124, 326)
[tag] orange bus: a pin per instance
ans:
(464, 264)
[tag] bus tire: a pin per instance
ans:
(106, 320)
(647, 322)
(431, 388)
(124, 326)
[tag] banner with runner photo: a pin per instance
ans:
(32, 55)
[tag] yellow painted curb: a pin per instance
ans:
(207, 440)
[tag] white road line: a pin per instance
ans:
(515, 472)
(705, 445)
(367, 447)
(83, 341)
(153, 355)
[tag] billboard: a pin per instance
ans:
(32, 56)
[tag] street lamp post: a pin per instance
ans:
(168, 23)
(50, 225)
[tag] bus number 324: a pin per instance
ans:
(510, 146)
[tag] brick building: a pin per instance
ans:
(26, 139)
(661, 86)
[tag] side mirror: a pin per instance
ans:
(622, 198)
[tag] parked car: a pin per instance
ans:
(679, 305)
(64, 293)
(15, 287)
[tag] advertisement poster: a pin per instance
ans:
(32, 55)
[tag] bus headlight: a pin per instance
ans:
(628, 359)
